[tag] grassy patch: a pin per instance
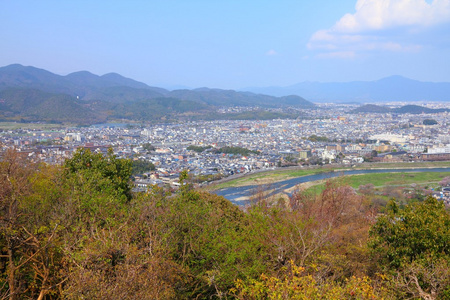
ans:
(396, 178)
(387, 179)
(14, 125)
(300, 173)
(315, 189)
(421, 164)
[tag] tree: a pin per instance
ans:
(207, 238)
(30, 258)
(14, 187)
(198, 149)
(367, 189)
(412, 243)
(115, 173)
(315, 138)
(140, 166)
(334, 231)
(297, 284)
(445, 181)
(148, 147)
(109, 240)
(429, 122)
(236, 151)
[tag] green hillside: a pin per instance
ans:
(407, 109)
(156, 109)
(34, 94)
(35, 105)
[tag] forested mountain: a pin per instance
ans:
(416, 109)
(371, 108)
(82, 84)
(219, 97)
(36, 105)
(407, 109)
(92, 98)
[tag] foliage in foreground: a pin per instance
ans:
(413, 244)
(298, 284)
(77, 232)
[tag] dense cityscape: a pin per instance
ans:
(328, 135)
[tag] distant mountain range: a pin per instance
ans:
(32, 94)
(394, 88)
(406, 109)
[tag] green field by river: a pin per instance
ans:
(380, 180)
(272, 176)
(35, 126)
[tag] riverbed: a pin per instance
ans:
(241, 195)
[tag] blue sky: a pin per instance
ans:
(231, 43)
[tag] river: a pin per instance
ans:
(241, 195)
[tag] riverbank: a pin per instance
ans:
(263, 177)
(242, 194)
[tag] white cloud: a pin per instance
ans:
(271, 52)
(368, 29)
(385, 14)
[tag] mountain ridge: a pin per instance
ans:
(93, 98)
(388, 89)
(89, 87)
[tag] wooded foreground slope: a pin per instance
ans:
(78, 232)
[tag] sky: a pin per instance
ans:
(231, 44)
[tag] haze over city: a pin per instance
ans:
(231, 44)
